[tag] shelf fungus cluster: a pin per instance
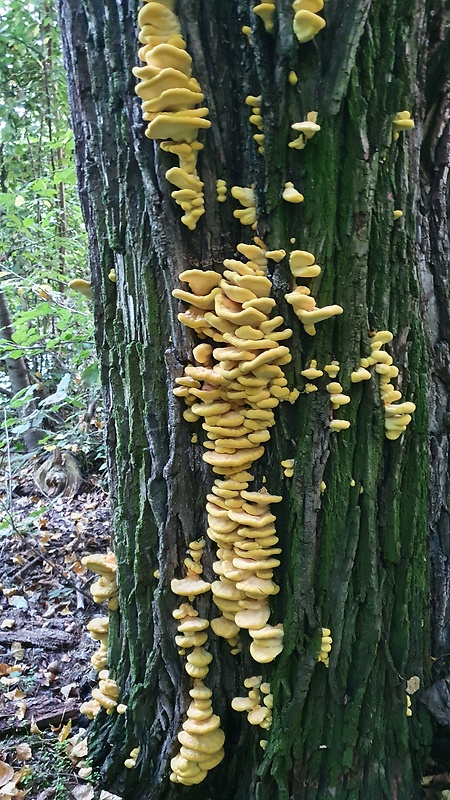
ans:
(105, 588)
(98, 630)
(325, 647)
(258, 704)
(307, 22)
(246, 197)
(338, 399)
(234, 388)
(170, 99)
(256, 119)
(305, 130)
(302, 265)
(397, 414)
(105, 695)
(201, 737)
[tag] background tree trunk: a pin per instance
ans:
(355, 558)
(19, 377)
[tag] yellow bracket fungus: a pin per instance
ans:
(266, 12)
(408, 706)
(83, 287)
(169, 96)
(397, 214)
(246, 197)
(258, 704)
(307, 23)
(306, 310)
(325, 647)
(291, 194)
(306, 130)
(292, 78)
(105, 588)
(397, 417)
(221, 187)
(257, 120)
(401, 122)
(301, 264)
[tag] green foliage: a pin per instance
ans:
(42, 237)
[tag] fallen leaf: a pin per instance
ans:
(83, 792)
(34, 728)
(17, 651)
(63, 734)
(16, 694)
(6, 773)
(8, 591)
(108, 796)
(17, 601)
(21, 710)
(84, 772)
(7, 623)
(23, 752)
(67, 690)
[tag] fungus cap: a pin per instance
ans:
(306, 25)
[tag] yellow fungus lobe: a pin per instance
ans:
(397, 214)
(401, 122)
(292, 78)
(306, 24)
(323, 486)
(291, 194)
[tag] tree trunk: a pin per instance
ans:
(19, 378)
(354, 554)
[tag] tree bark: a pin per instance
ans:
(19, 378)
(355, 555)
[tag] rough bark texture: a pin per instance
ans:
(355, 558)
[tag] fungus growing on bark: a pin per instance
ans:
(246, 197)
(221, 190)
(201, 739)
(292, 78)
(288, 467)
(291, 194)
(325, 647)
(401, 122)
(170, 98)
(130, 762)
(397, 214)
(266, 12)
(307, 23)
(408, 706)
(397, 417)
(301, 264)
(256, 119)
(332, 369)
(258, 703)
(306, 130)
(106, 586)
(307, 311)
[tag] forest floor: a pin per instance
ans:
(45, 670)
